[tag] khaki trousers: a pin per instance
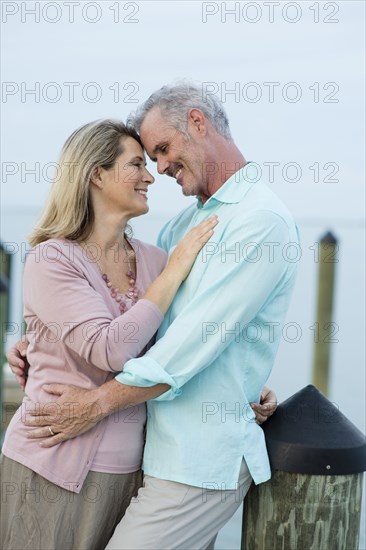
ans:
(168, 515)
(39, 515)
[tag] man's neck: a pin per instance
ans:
(229, 160)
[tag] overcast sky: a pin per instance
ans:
(294, 69)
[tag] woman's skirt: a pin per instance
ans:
(39, 515)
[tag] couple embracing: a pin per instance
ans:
(140, 349)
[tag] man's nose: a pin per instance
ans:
(162, 165)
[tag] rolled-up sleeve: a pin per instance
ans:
(234, 287)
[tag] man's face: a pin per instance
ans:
(177, 155)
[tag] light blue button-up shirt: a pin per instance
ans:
(218, 341)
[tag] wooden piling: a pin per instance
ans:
(302, 512)
(4, 304)
(325, 332)
(313, 499)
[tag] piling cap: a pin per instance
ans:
(308, 434)
(328, 238)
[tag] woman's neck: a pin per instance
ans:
(108, 233)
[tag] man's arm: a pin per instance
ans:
(78, 410)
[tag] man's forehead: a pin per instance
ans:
(155, 128)
(154, 122)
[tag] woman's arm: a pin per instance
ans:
(162, 291)
(57, 293)
(18, 362)
(267, 405)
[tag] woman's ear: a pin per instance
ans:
(96, 177)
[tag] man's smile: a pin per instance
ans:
(142, 191)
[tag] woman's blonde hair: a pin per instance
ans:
(68, 213)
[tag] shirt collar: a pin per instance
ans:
(234, 189)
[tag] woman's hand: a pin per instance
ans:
(186, 251)
(17, 359)
(266, 407)
(162, 291)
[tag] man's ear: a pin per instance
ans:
(96, 177)
(197, 121)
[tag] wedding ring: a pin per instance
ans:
(50, 430)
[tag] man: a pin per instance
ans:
(217, 343)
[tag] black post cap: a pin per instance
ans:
(308, 434)
(328, 238)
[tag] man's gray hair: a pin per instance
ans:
(174, 102)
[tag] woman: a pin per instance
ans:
(93, 298)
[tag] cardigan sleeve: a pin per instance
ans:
(57, 292)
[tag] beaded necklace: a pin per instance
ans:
(133, 292)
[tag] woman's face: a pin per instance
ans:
(125, 186)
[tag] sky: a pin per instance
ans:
(290, 75)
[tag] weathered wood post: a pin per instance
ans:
(4, 287)
(313, 500)
(324, 328)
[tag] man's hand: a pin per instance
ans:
(17, 359)
(266, 407)
(78, 410)
(75, 412)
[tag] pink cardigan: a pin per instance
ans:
(77, 336)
